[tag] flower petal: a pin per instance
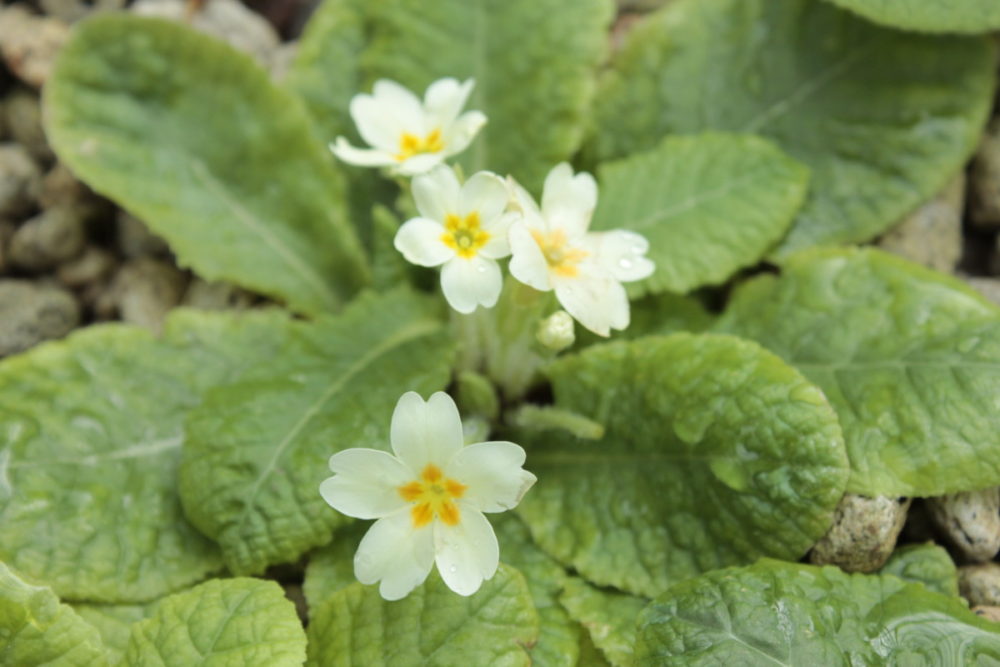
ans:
(486, 193)
(444, 100)
(595, 300)
(568, 201)
(493, 474)
(426, 432)
(467, 553)
(468, 283)
(420, 242)
(527, 261)
(377, 122)
(437, 193)
(622, 254)
(499, 229)
(458, 137)
(401, 105)
(362, 157)
(421, 163)
(521, 200)
(396, 554)
(366, 483)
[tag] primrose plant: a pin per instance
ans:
(429, 498)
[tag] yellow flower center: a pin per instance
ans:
(562, 259)
(411, 144)
(433, 495)
(464, 235)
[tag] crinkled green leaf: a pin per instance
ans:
(534, 63)
(257, 449)
(910, 359)
(241, 621)
(775, 613)
(114, 623)
(709, 205)
(608, 615)
(970, 16)
(715, 452)
(559, 635)
(882, 118)
(928, 564)
(90, 438)
(431, 626)
(192, 137)
(36, 629)
(331, 567)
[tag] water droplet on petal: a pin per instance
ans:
(453, 569)
(481, 268)
(625, 263)
(638, 250)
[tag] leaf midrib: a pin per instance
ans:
(401, 337)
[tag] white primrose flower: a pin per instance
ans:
(405, 135)
(429, 499)
(552, 249)
(463, 227)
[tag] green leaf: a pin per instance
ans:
(257, 449)
(715, 453)
(910, 359)
(221, 622)
(559, 636)
(331, 567)
(608, 615)
(90, 437)
(657, 314)
(882, 118)
(534, 63)
(928, 564)
(775, 613)
(192, 137)
(969, 16)
(35, 629)
(709, 204)
(114, 623)
(432, 625)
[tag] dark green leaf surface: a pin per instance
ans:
(909, 358)
(882, 118)
(192, 137)
(431, 626)
(709, 205)
(90, 439)
(257, 450)
(775, 613)
(715, 452)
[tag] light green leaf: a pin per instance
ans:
(882, 118)
(257, 450)
(433, 625)
(90, 437)
(775, 613)
(910, 359)
(559, 636)
(114, 623)
(35, 629)
(715, 453)
(608, 615)
(928, 564)
(969, 16)
(193, 138)
(534, 63)
(331, 567)
(709, 204)
(246, 622)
